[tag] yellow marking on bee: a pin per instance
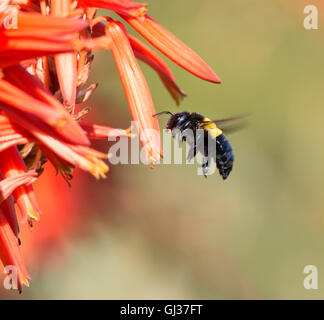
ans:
(212, 128)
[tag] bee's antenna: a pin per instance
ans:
(163, 112)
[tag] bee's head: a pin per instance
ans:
(175, 119)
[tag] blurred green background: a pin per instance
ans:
(167, 233)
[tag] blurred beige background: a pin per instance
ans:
(167, 233)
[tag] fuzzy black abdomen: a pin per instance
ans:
(224, 156)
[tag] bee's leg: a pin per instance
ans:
(193, 141)
(192, 152)
(200, 143)
(205, 166)
(181, 138)
(206, 158)
(183, 132)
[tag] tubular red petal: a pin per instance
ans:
(95, 131)
(60, 8)
(18, 51)
(12, 164)
(8, 209)
(136, 89)
(12, 142)
(10, 134)
(172, 47)
(66, 64)
(9, 251)
(66, 69)
(37, 25)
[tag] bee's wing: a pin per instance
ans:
(223, 123)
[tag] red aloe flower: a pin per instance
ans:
(44, 64)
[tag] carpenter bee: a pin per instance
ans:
(210, 141)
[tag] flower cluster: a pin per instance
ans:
(45, 61)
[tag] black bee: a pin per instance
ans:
(211, 143)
